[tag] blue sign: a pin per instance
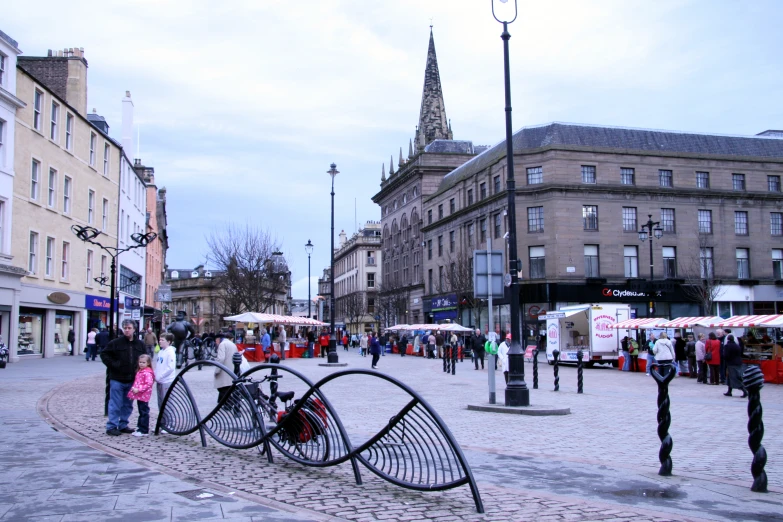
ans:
(98, 302)
(446, 302)
(444, 314)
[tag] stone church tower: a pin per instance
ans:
(433, 124)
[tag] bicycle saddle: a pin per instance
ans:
(285, 396)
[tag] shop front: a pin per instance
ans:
(97, 307)
(10, 291)
(45, 321)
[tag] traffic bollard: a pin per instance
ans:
(445, 360)
(535, 369)
(753, 379)
(663, 378)
(579, 355)
(237, 360)
(454, 350)
(556, 354)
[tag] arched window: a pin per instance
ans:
(386, 238)
(404, 199)
(395, 234)
(416, 223)
(406, 232)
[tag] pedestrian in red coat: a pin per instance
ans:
(713, 348)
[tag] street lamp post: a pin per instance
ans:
(651, 228)
(309, 250)
(332, 359)
(517, 392)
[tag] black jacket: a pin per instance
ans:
(478, 344)
(121, 358)
(71, 337)
(679, 349)
(102, 339)
(733, 354)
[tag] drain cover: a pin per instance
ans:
(200, 494)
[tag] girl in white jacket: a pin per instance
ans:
(164, 366)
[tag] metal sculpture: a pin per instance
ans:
(415, 449)
(579, 355)
(535, 369)
(556, 355)
(753, 379)
(663, 378)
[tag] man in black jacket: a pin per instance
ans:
(71, 339)
(121, 358)
(478, 348)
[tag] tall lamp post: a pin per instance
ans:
(309, 250)
(517, 392)
(650, 229)
(332, 359)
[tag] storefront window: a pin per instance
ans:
(96, 319)
(30, 333)
(62, 325)
(740, 308)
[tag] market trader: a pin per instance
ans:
(121, 358)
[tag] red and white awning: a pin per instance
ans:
(639, 324)
(750, 321)
(690, 322)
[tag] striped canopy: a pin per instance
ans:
(749, 321)
(690, 322)
(639, 324)
(255, 317)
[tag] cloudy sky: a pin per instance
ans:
(243, 104)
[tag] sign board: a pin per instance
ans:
(132, 302)
(445, 302)
(570, 269)
(482, 269)
(552, 315)
(58, 297)
(136, 313)
(163, 294)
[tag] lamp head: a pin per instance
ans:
(504, 14)
(643, 235)
(658, 231)
(309, 247)
(333, 170)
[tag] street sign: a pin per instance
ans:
(482, 270)
(136, 313)
(552, 315)
(163, 294)
(166, 311)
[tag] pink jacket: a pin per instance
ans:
(144, 381)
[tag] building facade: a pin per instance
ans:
(357, 266)
(156, 251)
(194, 292)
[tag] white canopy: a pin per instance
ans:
(640, 324)
(255, 317)
(690, 322)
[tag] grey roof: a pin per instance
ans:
(9, 39)
(450, 147)
(621, 139)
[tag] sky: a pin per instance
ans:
(242, 105)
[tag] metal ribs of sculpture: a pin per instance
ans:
(415, 449)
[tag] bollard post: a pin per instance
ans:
(454, 350)
(556, 354)
(445, 369)
(579, 356)
(753, 379)
(237, 360)
(663, 378)
(535, 369)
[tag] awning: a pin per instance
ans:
(291, 320)
(690, 322)
(398, 327)
(750, 321)
(639, 324)
(565, 312)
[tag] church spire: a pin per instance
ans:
(383, 172)
(433, 123)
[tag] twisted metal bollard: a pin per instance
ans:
(556, 354)
(445, 360)
(664, 418)
(579, 355)
(753, 380)
(535, 369)
(454, 350)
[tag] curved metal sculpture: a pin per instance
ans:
(753, 379)
(663, 378)
(414, 450)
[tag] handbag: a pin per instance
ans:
(707, 356)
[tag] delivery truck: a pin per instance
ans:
(587, 327)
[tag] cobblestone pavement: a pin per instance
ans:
(599, 463)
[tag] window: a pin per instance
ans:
(32, 259)
(452, 241)
(703, 180)
(452, 208)
(496, 183)
(429, 217)
(104, 261)
(52, 199)
(2, 135)
(429, 249)
(66, 195)
(35, 179)
(37, 110)
(705, 263)
(470, 235)
(429, 281)
(90, 207)
(482, 231)
(743, 263)
(705, 221)
(535, 175)
(741, 223)
(669, 262)
(665, 178)
(131, 281)
(482, 190)
(106, 152)
(66, 257)
(497, 226)
(440, 277)
(535, 219)
(105, 222)
(590, 217)
(773, 183)
(370, 280)
(2, 223)
(591, 261)
(628, 176)
(440, 246)
(777, 263)
(738, 181)
(631, 261)
(470, 196)
(776, 223)
(89, 267)
(440, 211)
(629, 219)
(2, 68)
(667, 220)
(537, 262)
(93, 139)
(53, 135)
(370, 305)
(69, 131)
(49, 262)
(588, 174)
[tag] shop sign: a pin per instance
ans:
(136, 313)
(533, 311)
(97, 302)
(58, 297)
(132, 302)
(446, 302)
(553, 334)
(602, 326)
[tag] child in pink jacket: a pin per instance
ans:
(141, 392)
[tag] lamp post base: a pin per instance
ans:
(332, 357)
(517, 392)
(517, 397)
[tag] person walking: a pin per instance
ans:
(680, 355)
(141, 391)
(416, 344)
(403, 346)
(721, 336)
(363, 345)
(439, 344)
(150, 341)
(266, 343)
(690, 353)
(478, 349)
(626, 354)
(310, 343)
(664, 351)
(345, 341)
(324, 342)
(121, 359)
(453, 340)
(164, 366)
(375, 350)
(713, 357)
(503, 355)
(71, 340)
(92, 346)
(700, 362)
(633, 351)
(733, 357)
(282, 340)
(222, 381)
(431, 346)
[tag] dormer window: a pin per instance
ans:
(174, 274)
(194, 273)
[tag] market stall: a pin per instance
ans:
(645, 323)
(763, 351)
(295, 347)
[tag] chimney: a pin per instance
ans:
(76, 90)
(343, 238)
(127, 125)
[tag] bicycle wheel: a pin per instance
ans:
(306, 437)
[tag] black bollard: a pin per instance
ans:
(237, 360)
(663, 378)
(753, 379)
(556, 354)
(454, 350)
(579, 355)
(445, 360)
(535, 369)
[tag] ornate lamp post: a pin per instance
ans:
(517, 392)
(309, 250)
(651, 228)
(332, 359)
(278, 269)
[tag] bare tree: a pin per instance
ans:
(459, 280)
(393, 302)
(251, 277)
(353, 307)
(699, 271)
